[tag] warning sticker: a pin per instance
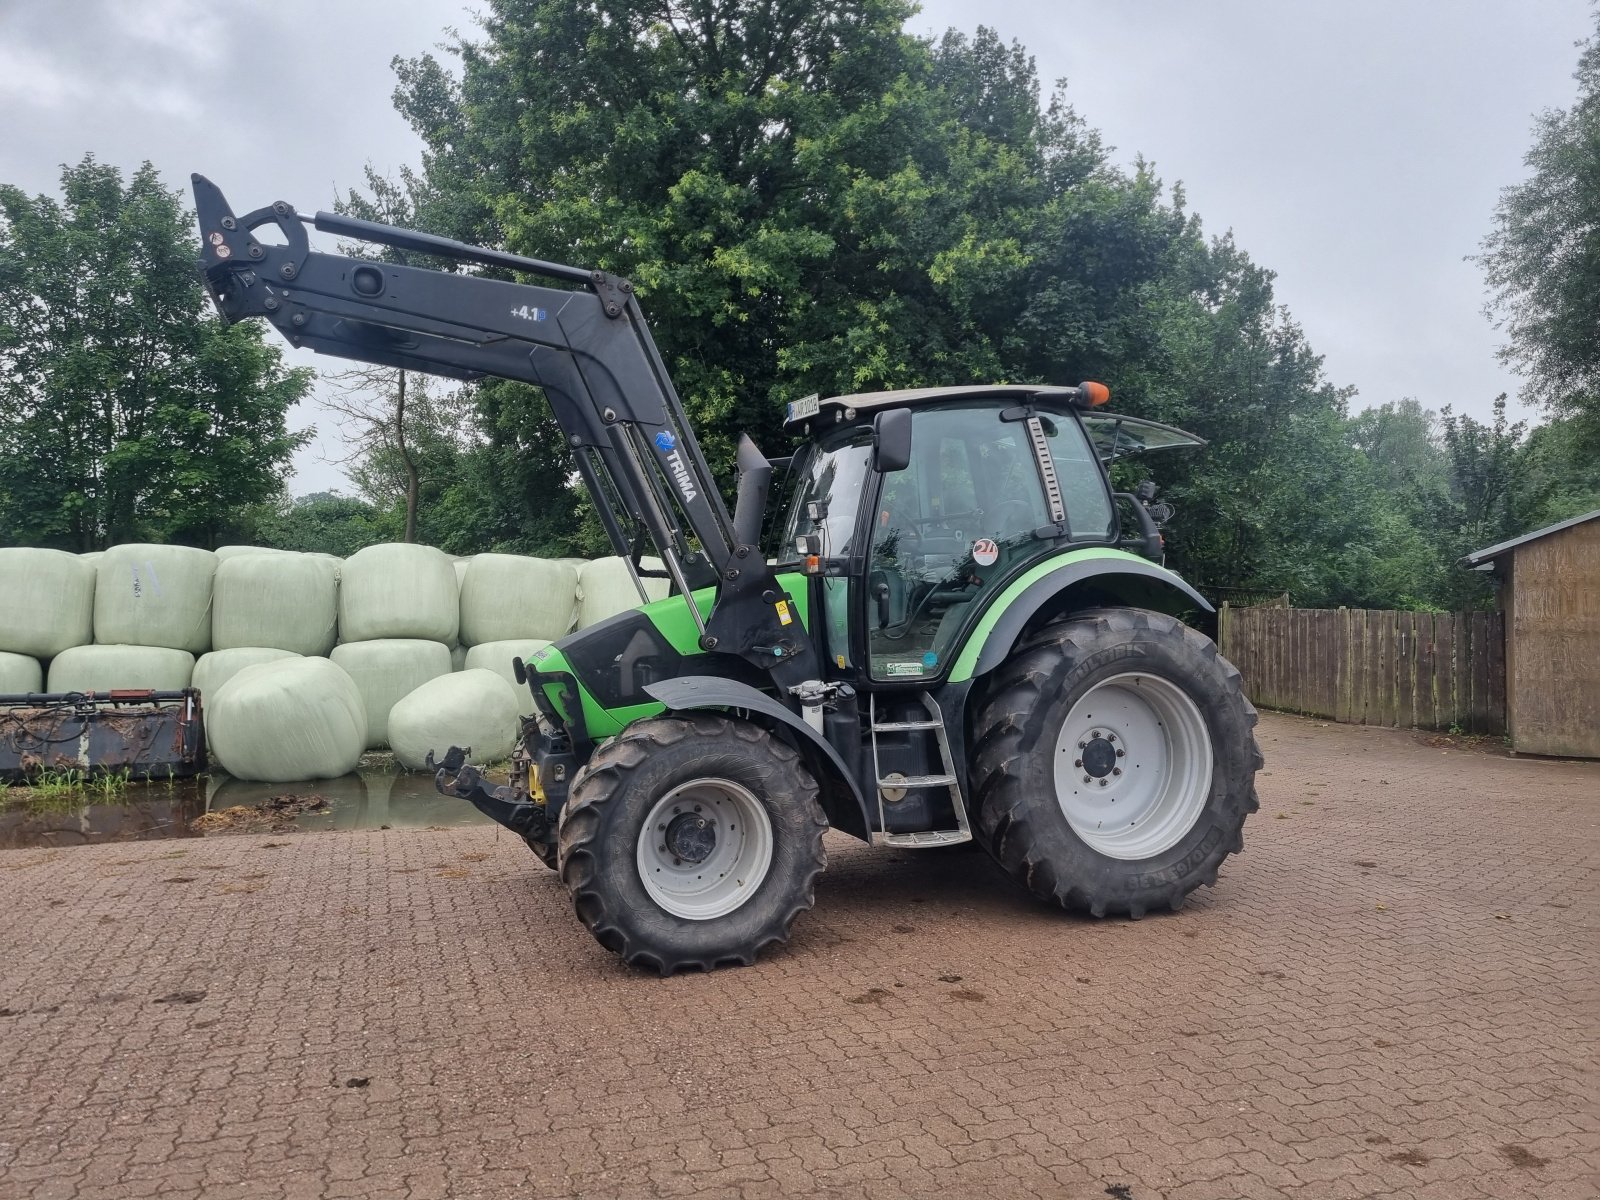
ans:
(986, 552)
(902, 668)
(784, 615)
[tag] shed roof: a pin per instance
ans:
(1479, 559)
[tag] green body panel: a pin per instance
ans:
(673, 621)
(967, 660)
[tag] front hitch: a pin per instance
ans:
(510, 804)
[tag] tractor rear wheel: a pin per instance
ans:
(692, 841)
(1115, 762)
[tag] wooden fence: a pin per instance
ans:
(1373, 667)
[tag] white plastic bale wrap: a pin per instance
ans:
(290, 601)
(458, 658)
(507, 596)
(112, 668)
(605, 588)
(19, 673)
(386, 670)
(398, 591)
(213, 670)
(497, 656)
(154, 596)
(278, 722)
(461, 562)
(224, 553)
(471, 709)
(46, 602)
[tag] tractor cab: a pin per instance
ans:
(916, 506)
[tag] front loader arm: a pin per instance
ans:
(590, 350)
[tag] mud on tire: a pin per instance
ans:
(612, 800)
(1022, 819)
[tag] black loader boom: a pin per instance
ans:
(585, 344)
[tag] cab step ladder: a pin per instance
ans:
(949, 780)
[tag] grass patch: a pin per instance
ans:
(67, 791)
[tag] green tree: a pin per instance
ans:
(127, 411)
(810, 200)
(322, 523)
(1542, 261)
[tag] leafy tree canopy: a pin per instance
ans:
(127, 411)
(1542, 261)
(811, 200)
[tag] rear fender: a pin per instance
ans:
(838, 792)
(1062, 585)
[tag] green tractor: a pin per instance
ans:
(946, 635)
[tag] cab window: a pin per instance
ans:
(961, 517)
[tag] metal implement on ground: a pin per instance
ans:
(138, 734)
(956, 631)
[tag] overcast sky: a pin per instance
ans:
(1356, 147)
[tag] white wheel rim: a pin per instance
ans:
(1133, 766)
(716, 817)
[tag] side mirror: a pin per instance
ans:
(891, 440)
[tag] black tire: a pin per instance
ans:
(545, 852)
(613, 796)
(1025, 707)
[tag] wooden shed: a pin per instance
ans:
(1549, 585)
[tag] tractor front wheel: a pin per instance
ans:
(692, 841)
(1115, 762)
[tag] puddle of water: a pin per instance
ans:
(367, 800)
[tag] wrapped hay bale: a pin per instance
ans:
(506, 596)
(224, 553)
(398, 591)
(46, 602)
(112, 668)
(154, 596)
(215, 669)
(386, 670)
(497, 656)
(290, 601)
(474, 709)
(278, 722)
(19, 673)
(605, 588)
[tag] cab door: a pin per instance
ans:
(969, 512)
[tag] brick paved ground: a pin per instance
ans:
(1392, 993)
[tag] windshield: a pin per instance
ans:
(832, 477)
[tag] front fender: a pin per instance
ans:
(1135, 581)
(840, 794)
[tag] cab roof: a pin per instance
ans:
(804, 410)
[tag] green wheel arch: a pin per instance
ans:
(1135, 581)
